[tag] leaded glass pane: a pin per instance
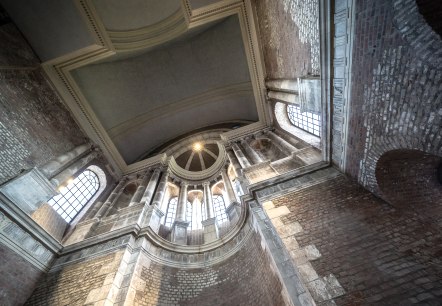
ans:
(306, 121)
(71, 199)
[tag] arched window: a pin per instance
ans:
(72, 198)
(189, 213)
(306, 121)
(220, 208)
(171, 211)
(197, 214)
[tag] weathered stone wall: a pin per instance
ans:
(18, 278)
(34, 124)
(246, 278)
(289, 31)
(396, 93)
(50, 221)
(381, 255)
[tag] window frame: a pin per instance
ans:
(70, 201)
(306, 121)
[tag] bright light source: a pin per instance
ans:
(197, 147)
(62, 188)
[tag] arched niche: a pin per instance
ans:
(409, 179)
(125, 196)
(267, 149)
(431, 10)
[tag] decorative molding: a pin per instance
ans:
(150, 36)
(302, 178)
(198, 259)
(92, 251)
(59, 71)
(342, 42)
(22, 218)
(200, 176)
(96, 27)
(25, 245)
(39, 190)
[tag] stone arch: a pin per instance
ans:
(408, 178)
(125, 196)
(431, 10)
(415, 30)
(267, 149)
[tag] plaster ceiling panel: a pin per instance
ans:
(137, 142)
(52, 27)
(121, 90)
(118, 15)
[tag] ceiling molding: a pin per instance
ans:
(94, 23)
(150, 36)
(200, 176)
(235, 90)
(59, 71)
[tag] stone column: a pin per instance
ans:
(210, 227)
(254, 156)
(210, 213)
(234, 161)
(147, 197)
(57, 164)
(148, 193)
(232, 208)
(182, 201)
(243, 161)
(104, 209)
(154, 212)
(161, 190)
(94, 210)
(179, 230)
(281, 143)
(228, 185)
(136, 198)
(72, 169)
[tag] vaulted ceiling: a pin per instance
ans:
(138, 73)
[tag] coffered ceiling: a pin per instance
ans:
(139, 73)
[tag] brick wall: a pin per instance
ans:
(408, 180)
(244, 279)
(396, 98)
(380, 255)
(18, 278)
(34, 125)
(290, 37)
(78, 283)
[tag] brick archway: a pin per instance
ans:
(420, 32)
(408, 178)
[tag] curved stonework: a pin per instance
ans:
(408, 179)
(284, 122)
(199, 176)
(419, 35)
(127, 270)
